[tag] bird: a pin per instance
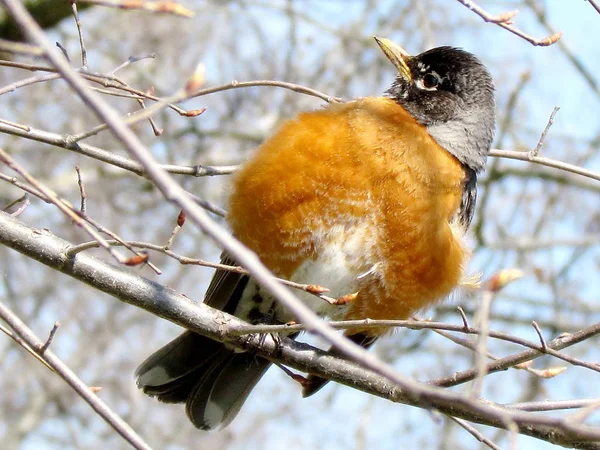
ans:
(370, 198)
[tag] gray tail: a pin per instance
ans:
(211, 379)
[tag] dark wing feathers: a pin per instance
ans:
(168, 373)
(225, 289)
(217, 399)
(469, 198)
(210, 378)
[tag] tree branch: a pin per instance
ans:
(51, 360)
(52, 251)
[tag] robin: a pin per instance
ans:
(369, 198)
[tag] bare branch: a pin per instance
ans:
(42, 348)
(177, 308)
(587, 75)
(558, 343)
(20, 48)
(158, 6)
(475, 433)
(82, 194)
(80, 33)
(107, 156)
(505, 21)
(537, 148)
(81, 217)
(63, 206)
(525, 156)
(282, 84)
(24, 333)
(595, 5)
(552, 405)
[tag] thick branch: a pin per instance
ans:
(167, 303)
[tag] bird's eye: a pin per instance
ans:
(431, 80)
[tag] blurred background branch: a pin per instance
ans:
(543, 220)
(47, 13)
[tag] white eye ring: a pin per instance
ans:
(421, 85)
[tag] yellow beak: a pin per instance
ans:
(396, 54)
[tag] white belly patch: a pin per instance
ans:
(346, 254)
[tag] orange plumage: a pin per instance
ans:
(368, 198)
(348, 164)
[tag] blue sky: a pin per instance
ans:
(340, 417)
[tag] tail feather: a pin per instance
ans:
(169, 365)
(219, 396)
(210, 378)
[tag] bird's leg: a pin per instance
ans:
(294, 376)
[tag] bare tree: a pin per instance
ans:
(85, 146)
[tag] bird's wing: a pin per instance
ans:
(226, 287)
(172, 371)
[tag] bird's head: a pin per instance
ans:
(449, 91)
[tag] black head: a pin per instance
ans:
(450, 92)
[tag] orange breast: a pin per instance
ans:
(362, 162)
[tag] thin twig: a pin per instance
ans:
(505, 21)
(548, 373)
(20, 48)
(117, 94)
(540, 335)
(178, 225)
(28, 82)
(533, 153)
(589, 76)
(21, 208)
(282, 84)
(23, 344)
(595, 5)
(35, 192)
(25, 66)
(63, 206)
(210, 207)
(16, 125)
(105, 80)
(80, 33)
(463, 316)
(83, 207)
(14, 202)
(120, 426)
(474, 432)
(156, 6)
(46, 345)
(131, 119)
(132, 60)
(110, 157)
(553, 346)
(481, 348)
(548, 405)
(64, 51)
(155, 128)
(525, 156)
